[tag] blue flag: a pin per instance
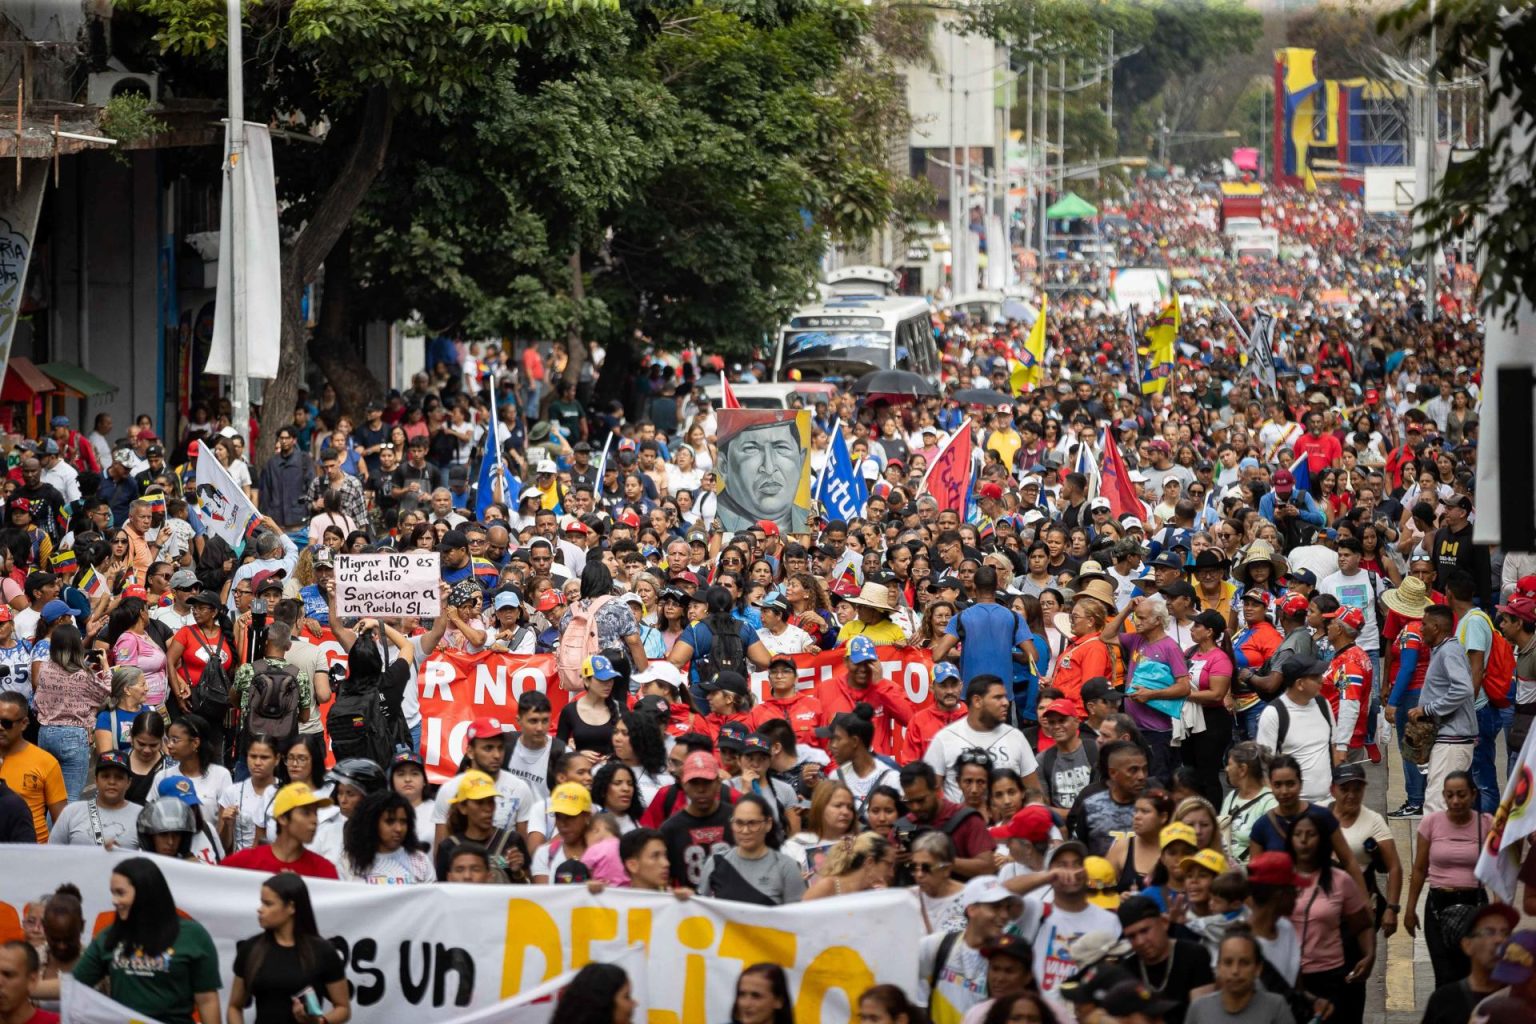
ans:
(489, 464)
(841, 491)
(1302, 474)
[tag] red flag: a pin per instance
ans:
(728, 398)
(949, 476)
(1115, 481)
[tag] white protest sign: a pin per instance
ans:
(396, 584)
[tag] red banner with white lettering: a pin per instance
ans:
(457, 688)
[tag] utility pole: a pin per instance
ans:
(1432, 97)
(234, 181)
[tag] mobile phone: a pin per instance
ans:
(310, 1001)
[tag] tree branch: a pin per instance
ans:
(334, 211)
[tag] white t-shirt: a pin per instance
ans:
(793, 640)
(1309, 739)
(426, 822)
(1357, 592)
(209, 786)
(255, 810)
(171, 618)
(532, 766)
(881, 774)
(26, 623)
(1051, 935)
(1007, 745)
(327, 841)
(120, 825)
(397, 867)
(961, 980)
(1283, 951)
(514, 800)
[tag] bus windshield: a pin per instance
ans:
(860, 346)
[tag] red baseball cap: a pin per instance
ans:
(551, 600)
(1273, 868)
(1060, 706)
(1283, 481)
(136, 591)
(1032, 824)
(1353, 618)
(629, 517)
(483, 728)
(1294, 605)
(1519, 607)
(991, 489)
(700, 765)
(5, 613)
(769, 527)
(1526, 585)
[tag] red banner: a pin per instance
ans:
(458, 688)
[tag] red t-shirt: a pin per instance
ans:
(196, 647)
(1321, 452)
(41, 1017)
(261, 858)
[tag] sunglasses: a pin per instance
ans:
(9, 723)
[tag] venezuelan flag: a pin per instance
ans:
(485, 571)
(1160, 347)
(64, 564)
(156, 504)
(90, 583)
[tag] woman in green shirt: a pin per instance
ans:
(154, 961)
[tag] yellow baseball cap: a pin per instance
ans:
(570, 798)
(474, 786)
(1211, 860)
(1101, 883)
(1177, 832)
(296, 795)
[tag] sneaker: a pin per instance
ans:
(1374, 751)
(1407, 811)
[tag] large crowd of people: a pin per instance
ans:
(1136, 790)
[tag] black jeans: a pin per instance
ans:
(1445, 954)
(1206, 753)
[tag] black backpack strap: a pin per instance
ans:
(1283, 726)
(940, 958)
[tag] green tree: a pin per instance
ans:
(352, 66)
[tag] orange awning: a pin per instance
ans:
(23, 381)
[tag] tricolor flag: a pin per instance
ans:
(728, 398)
(1030, 371)
(1302, 474)
(1161, 339)
(64, 564)
(949, 475)
(90, 583)
(156, 504)
(81, 1004)
(1499, 863)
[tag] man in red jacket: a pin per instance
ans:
(1322, 450)
(863, 685)
(946, 708)
(786, 700)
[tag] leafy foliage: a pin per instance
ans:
(126, 118)
(1491, 196)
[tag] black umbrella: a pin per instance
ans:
(894, 385)
(981, 396)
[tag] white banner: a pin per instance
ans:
(1498, 865)
(452, 949)
(225, 509)
(260, 251)
(81, 1004)
(398, 584)
(19, 209)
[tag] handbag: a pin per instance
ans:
(1419, 737)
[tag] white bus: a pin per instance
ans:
(850, 335)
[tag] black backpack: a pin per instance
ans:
(273, 709)
(360, 725)
(1283, 726)
(726, 651)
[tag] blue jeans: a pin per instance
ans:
(71, 746)
(1413, 775)
(1248, 721)
(416, 739)
(1490, 722)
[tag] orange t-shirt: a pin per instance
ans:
(34, 775)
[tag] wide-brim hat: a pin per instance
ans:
(1090, 570)
(1210, 558)
(1410, 598)
(1102, 591)
(1260, 552)
(877, 596)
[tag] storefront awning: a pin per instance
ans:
(23, 381)
(78, 380)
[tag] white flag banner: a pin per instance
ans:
(225, 509)
(1261, 350)
(1498, 865)
(492, 954)
(19, 209)
(261, 252)
(81, 1004)
(537, 1006)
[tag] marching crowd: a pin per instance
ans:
(1134, 792)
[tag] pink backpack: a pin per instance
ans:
(578, 642)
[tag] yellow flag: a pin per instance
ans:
(1160, 346)
(1029, 372)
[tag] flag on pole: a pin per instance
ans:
(1499, 862)
(841, 489)
(1130, 339)
(224, 507)
(949, 476)
(1301, 474)
(493, 467)
(1161, 338)
(1261, 350)
(728, 399)
(1030, 371)
(1088, 467)
(1115, 480)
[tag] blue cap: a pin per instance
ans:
(945, 670)
(860, 650)
(598, 667)
(180, 787)
(60, 421)
(55, 610)
(1306, 577)
(1248, 463)
(508, 599)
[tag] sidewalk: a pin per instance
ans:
(1403, 980)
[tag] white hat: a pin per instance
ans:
(870, 468)
(1098, 503)
(1137, 476)
(1130, 522)
(660, 671)
(1033, 516)
(546, 466)
(985, 889)
(1031, 481)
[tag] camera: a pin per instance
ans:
(259, 606)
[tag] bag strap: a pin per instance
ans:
(95, 813)
(940, 958)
